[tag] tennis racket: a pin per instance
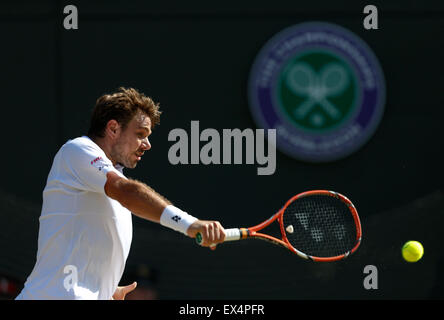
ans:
(318, 225)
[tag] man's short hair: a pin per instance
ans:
(121, 106)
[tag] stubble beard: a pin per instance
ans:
(118, 156)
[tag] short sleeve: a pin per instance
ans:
(86, 166)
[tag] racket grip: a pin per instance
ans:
(232, 234)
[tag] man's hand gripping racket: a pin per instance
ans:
(319, 225)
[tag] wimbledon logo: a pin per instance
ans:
(321, 88)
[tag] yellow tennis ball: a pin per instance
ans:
(412, 251)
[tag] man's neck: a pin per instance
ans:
(104, 145)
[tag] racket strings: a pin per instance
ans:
(321, 226)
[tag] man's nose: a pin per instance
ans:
(146, 145)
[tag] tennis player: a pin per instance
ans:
(85, 228)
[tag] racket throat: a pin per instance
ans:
(245, 233)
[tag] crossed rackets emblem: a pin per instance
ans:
(316, 87)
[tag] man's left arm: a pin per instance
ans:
(145, 203)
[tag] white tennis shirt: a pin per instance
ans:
(84, 236)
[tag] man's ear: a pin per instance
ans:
(113, 129)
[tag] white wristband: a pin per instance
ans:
(176, 219)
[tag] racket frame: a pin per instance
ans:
(234, 234)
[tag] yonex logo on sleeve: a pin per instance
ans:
(176, 218)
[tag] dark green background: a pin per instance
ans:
(194, 57)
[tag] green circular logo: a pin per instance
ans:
(320, 87)
(317, 91)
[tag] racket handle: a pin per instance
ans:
(232, 234)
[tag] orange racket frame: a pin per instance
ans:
(253, 232)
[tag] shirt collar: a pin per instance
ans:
(119, 167)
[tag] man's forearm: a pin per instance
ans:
(139, 198)
(144, 202)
